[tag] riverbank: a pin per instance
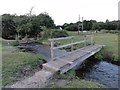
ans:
(70, 80)
(17, 65)
(111, 49)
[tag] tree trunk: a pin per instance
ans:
(18, 37)
(37, 36)
(26, 38)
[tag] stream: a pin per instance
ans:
(43, 50)
(93, 70)
(100, 71)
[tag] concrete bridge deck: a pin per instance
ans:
(70, 60)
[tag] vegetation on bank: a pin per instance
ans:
(110, 51)
(70, 80)
(17, 65)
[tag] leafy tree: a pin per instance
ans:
(118, 25)
(46, 32)
(8, 27)
(111, 25)
(26, 28)
(44, 19)
(19, 21)
(59, 33)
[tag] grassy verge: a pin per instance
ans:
(70, 80)
(110, 51)
(17, 65)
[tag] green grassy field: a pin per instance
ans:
(17, 65)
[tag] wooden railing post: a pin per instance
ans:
(52, 53)
(72, 40)
(85, 39)
(91, 40)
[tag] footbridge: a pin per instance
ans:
(68, 61)
(60, 64)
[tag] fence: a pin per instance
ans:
(70, 44)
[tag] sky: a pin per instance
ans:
(64, 11)
(119, 11)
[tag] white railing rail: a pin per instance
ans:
(70, 44)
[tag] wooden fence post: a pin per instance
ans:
(72, 40)
(85, 39)
(91, 40)
(52, 53)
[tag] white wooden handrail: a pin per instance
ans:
(55, 39)
(71, 44)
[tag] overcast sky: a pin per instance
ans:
(64, 11)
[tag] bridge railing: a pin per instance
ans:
(70, 44)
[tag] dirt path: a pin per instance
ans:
(39, 80)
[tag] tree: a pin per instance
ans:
(46, 32)
(44, 19)
(19, 21)
(8, 27)
(95, 26)
(26, 28)
(118, 25)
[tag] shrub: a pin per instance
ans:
(104, 54)
(16, 43)
(109, 31)
(99, 56)
(59, 33)
(105, 31)
(113, 31)
(41, 40)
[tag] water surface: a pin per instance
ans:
(100, 71)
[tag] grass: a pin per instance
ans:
(73, 82)
(111, 42)
(17, 65)
(84, 84)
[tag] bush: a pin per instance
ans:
(59, 33)
(113, 31)
(16, 43)
(109, 31)
(105, 31)
(99, 56)
(41, 41)
(104, 54)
